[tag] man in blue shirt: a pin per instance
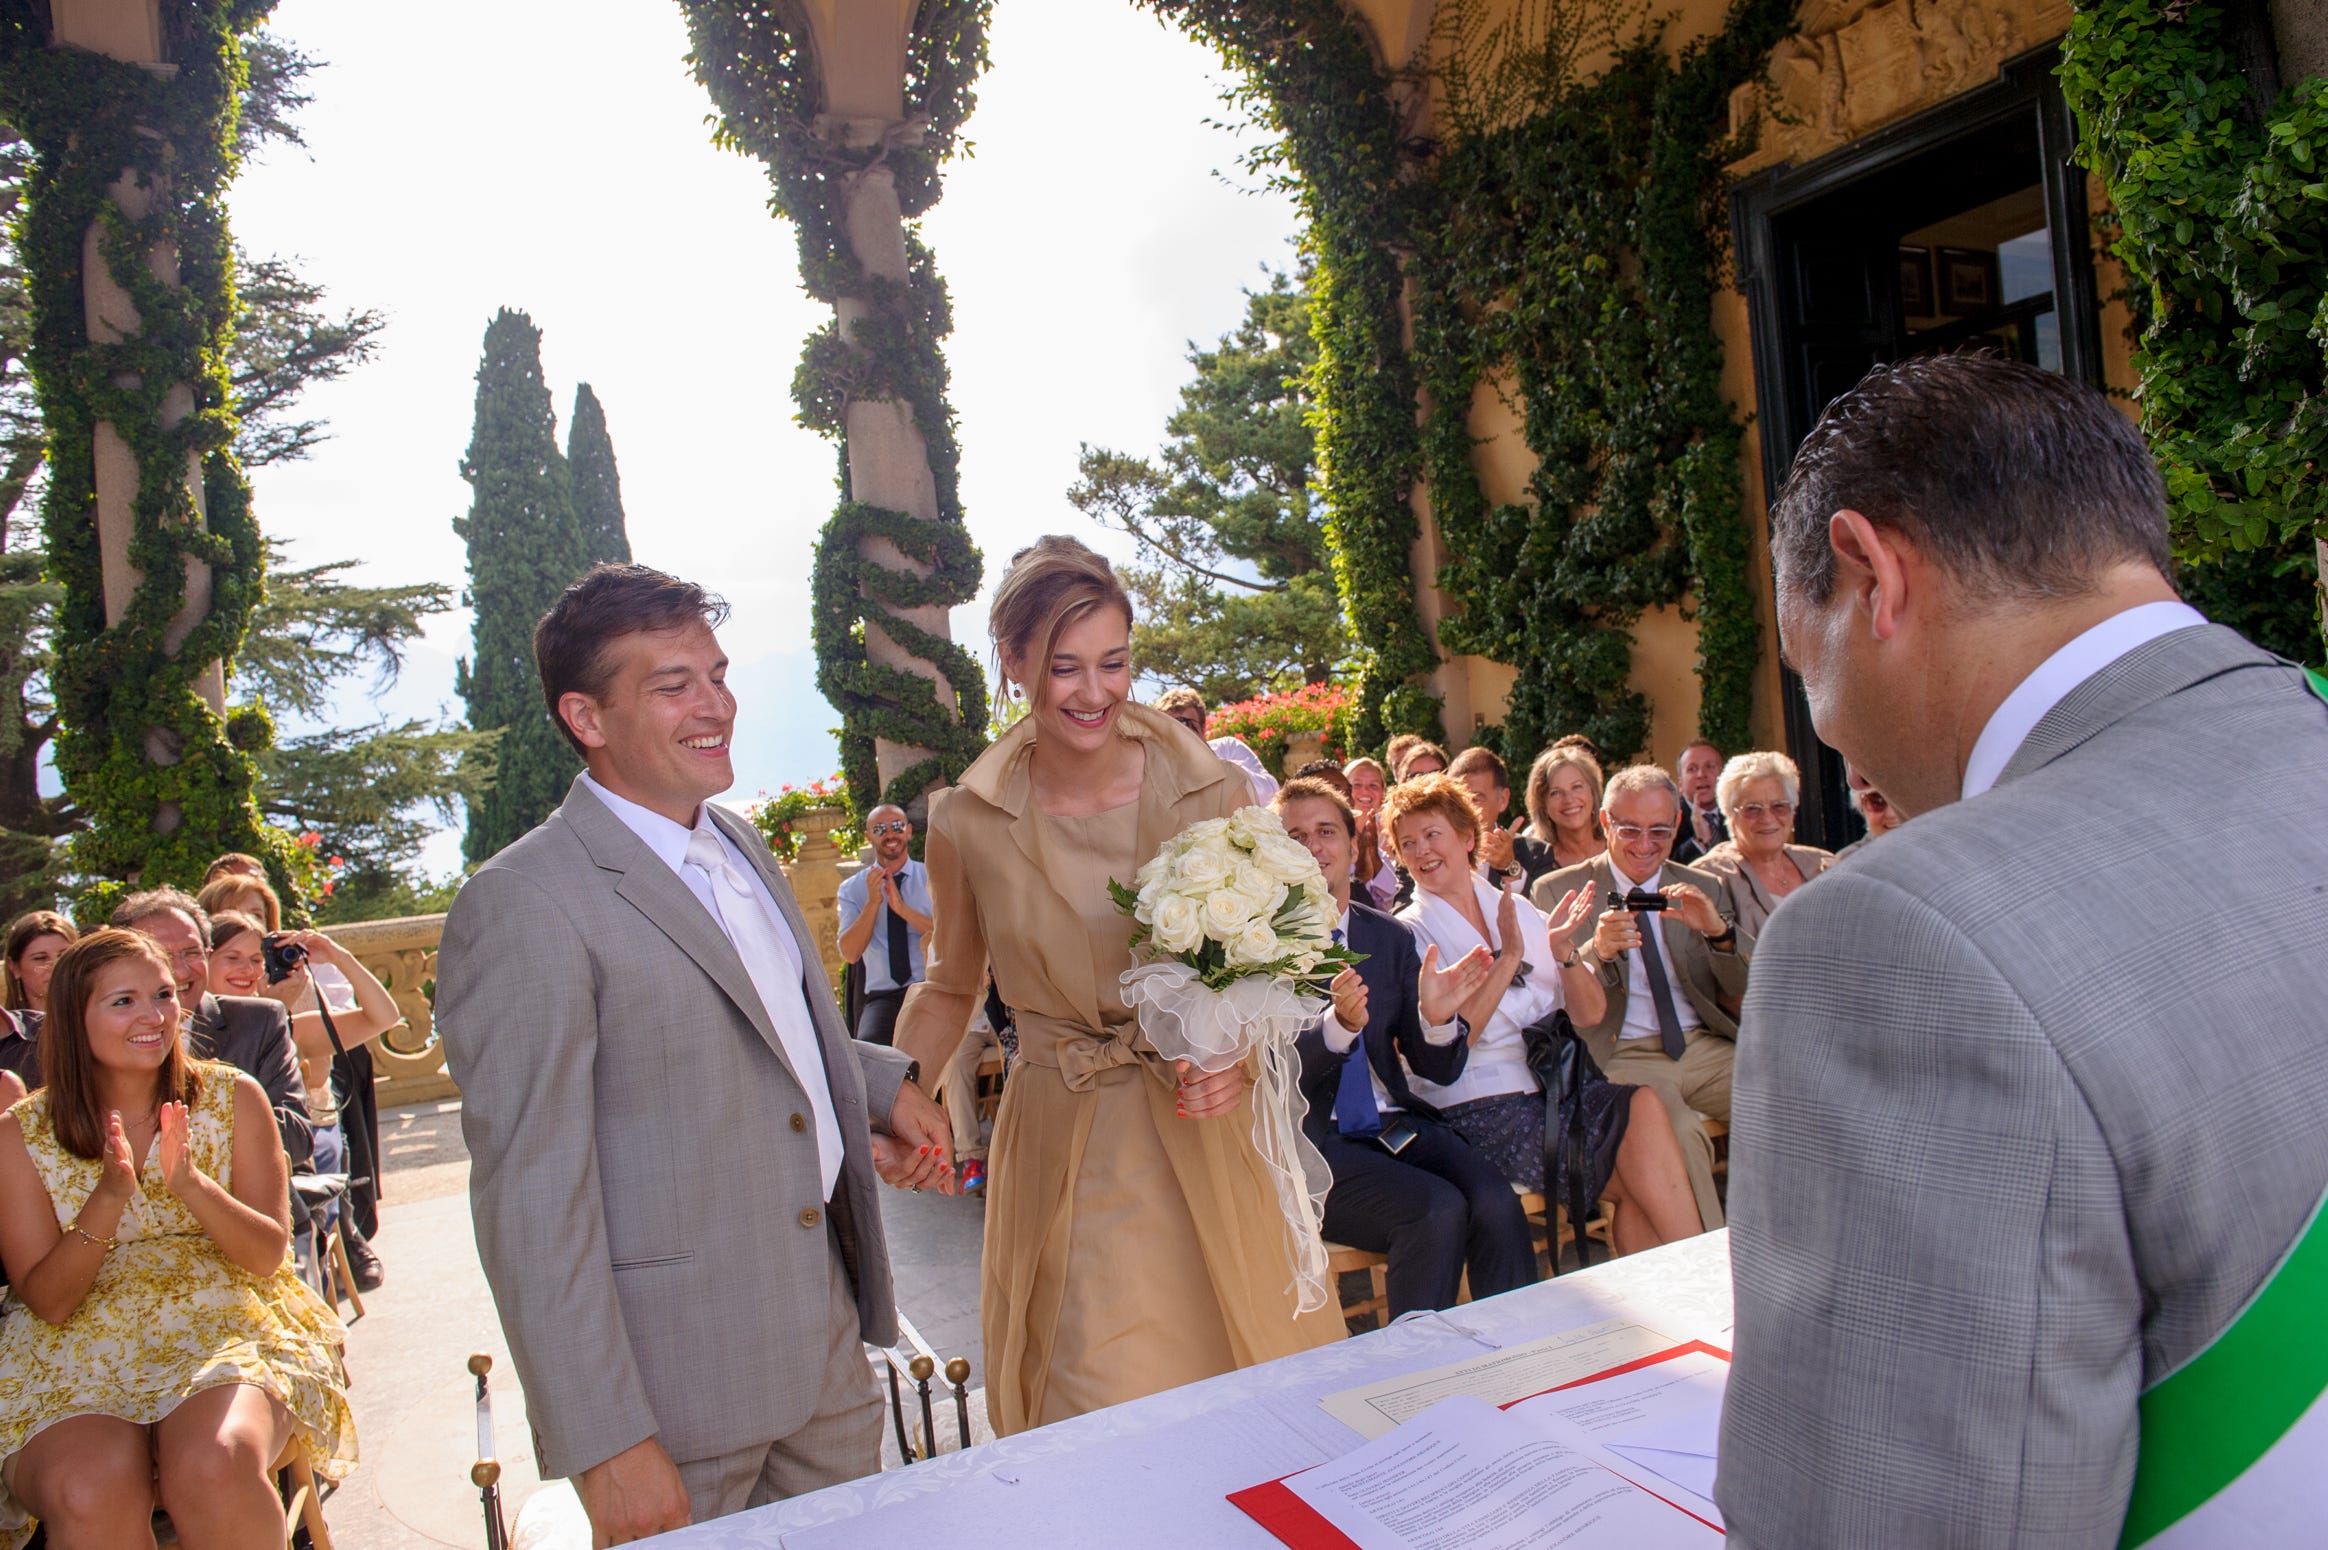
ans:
(886, 929)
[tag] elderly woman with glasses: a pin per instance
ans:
(1758, 794)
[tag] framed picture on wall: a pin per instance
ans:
(1916, 283)
(1969, 281)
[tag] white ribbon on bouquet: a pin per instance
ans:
(1185, 1019)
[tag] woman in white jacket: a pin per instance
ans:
(1496, 1103)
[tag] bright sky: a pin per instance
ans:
(554, 158)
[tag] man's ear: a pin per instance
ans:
(1871, 569)
(580, 713)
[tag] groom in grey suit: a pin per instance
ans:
(672, 1138)
(2028, 1099)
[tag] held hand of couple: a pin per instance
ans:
(918, 1151)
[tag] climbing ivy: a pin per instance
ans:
(758, 61)
(1308, 73)
(1571, 262)
(2221, 209)
(1569, 236)
(164, 779)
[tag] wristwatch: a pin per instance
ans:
(1514, 873)
(1728, 938)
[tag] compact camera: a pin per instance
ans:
(281, 956)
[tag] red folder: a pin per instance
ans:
(1295, 1522)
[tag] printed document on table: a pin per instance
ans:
(1656, 1424)
(1467, 1476)
(1498, 1377)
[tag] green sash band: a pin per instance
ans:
(2206, 1425)
(2224, 1410)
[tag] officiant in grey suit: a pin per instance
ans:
(672, 1138)
(2027, 1102)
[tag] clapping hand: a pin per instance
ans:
(1369, 847)
(1696, 910)
(1573, 910)
(118, 1181)
(1440, 993)
(1495, 847)
(1507, 927)
(176, 1149)
(889, 893)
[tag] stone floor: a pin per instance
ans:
(412, 1393)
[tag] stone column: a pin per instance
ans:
(861, 47)
(131, 30)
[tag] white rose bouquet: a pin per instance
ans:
(1237, 922)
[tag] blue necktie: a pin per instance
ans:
(1355, 1112)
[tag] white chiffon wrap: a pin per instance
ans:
(1184, 1019)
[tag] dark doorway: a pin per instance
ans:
(1961, 228)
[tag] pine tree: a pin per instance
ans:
(1234, 580)
(525, 547)
(597, 486)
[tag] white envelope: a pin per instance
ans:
(1680, 1448)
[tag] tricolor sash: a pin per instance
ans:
(2234, 1443)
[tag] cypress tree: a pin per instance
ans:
(525, 547)
(597, 486)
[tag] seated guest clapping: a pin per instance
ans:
(249, 1032)
(1564, 793)
(1506, 858)
(170, 1350)
(1496, 1102)
(1759, 793)
(1405, 1186)
(1372, 861)
(1672, 978)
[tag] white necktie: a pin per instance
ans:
(774, 965)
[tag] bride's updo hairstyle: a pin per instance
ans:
(1052, 583)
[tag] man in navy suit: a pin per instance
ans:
(1405, 1186)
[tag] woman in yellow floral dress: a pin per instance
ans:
(158, 1343)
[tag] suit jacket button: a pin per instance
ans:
(809, 1217)
(799, 1123)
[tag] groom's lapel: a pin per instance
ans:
(655, 891)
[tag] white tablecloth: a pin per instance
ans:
(1154, 1472)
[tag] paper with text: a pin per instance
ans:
(1498, 1377)
(1657, 1425)
(1466, 1476)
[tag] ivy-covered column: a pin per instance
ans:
(853, 105)
(130, 110)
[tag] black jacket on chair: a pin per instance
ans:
(253, 1034)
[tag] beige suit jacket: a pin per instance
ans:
(1709, 978)
(643, 1174)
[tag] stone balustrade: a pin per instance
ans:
(408, 1059)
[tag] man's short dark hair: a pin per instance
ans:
(1326, 770)
(1309, 788)
(609, 602)
(148, 903)
(1477, 758)
(2017, 481)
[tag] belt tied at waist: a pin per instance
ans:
(1079, 1055)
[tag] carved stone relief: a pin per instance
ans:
(1855, 67)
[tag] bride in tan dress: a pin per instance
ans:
(1133, 1241)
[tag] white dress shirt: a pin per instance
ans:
(2060, 673)
(1498, 1062)
(1340, 1039)
(795, 1028)
(1640, 1001)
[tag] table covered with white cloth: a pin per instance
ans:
(1157, 1471)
